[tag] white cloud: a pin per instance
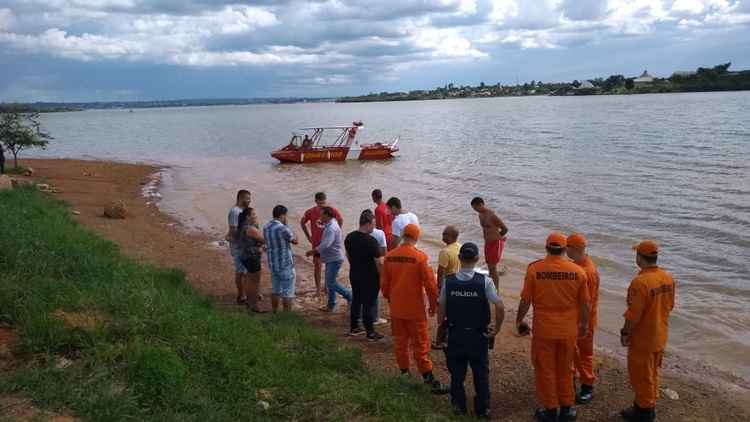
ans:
(341, 37)
(6, 19)
(235, 58)
(529, 39)
(445, 42)
(85, 47)
(693, 7)
(230, 20)
(334, 79)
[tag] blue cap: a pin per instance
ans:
(468, 251)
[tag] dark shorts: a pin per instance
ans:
(251, 263)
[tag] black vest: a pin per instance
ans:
(466, 302)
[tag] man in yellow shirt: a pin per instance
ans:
(448, 264)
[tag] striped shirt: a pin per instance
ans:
(278, 236)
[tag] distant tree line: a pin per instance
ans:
(717, 78)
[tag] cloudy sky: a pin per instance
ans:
(83, 50)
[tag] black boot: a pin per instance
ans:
(585, 395)
(567, 413)
(435, 386)
(648, 415)
(637, 414)
(546, 415)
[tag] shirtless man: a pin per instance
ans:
(494, 237)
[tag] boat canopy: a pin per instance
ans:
(328, 127)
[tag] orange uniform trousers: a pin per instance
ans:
(584, 359)
(553, 369)
(411, 333)
(643, 371)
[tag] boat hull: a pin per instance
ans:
(377, 152)
(318, 155)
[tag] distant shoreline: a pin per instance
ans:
(56, 107)
(348, 101)
(717, 78)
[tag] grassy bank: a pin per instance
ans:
(106, 338)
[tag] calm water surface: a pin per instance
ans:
(619, 168)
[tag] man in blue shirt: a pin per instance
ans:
(331, 254)
(279, 240)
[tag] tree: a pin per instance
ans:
(21, 130)
(629, 84)
(576, 83)
(613, 82)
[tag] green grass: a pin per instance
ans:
(9, 169)
(161, 352)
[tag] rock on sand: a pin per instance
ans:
(116, 210)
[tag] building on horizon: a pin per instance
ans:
(644, 79)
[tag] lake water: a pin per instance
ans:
(618, 168)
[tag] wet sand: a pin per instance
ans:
(151, 236)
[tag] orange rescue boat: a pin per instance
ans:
(311, 148)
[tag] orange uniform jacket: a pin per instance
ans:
(650, 300)
(405, 278)
(556, 288)
(592, 282)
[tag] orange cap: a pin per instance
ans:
(557, 239)
(412, 231)
(577, 240)
(647, 248)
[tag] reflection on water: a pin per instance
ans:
(618, 168)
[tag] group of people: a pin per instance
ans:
(383, 256)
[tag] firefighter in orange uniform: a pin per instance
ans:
(405, 279)
(557, 289)
(584, 357)
(650, 300)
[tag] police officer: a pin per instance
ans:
(464, 300)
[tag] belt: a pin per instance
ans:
(480, 329)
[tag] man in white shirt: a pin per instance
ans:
(240, 272)
(401, 219)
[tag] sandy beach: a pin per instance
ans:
(149, 235)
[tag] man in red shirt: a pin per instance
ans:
(383, 217)
(315, 233)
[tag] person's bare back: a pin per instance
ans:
(492, 226)
(494, 231)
